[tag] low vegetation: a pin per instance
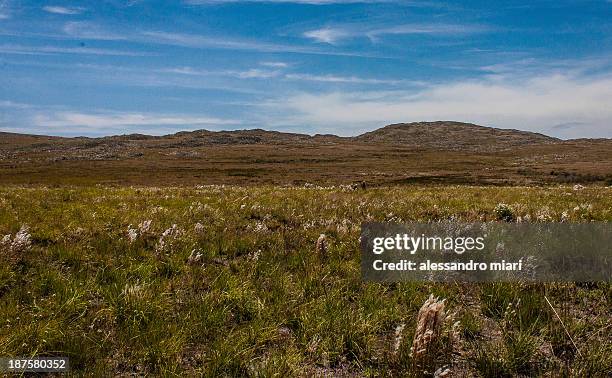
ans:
(416, 153)
(265, 281)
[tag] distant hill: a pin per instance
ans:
(405, 153)
(440, 135)
(254, 136)
(451, 135)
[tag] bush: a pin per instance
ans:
(504, 212)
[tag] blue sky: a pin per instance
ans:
(313, 66)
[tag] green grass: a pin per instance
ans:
(260, 301)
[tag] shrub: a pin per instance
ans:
(504, 212)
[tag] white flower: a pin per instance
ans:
(343, 228)
(22, 241)
(321, 245)
(578, 187)
(144, 226)
(544, 215)
(171, 231)
(160, 245)
(194, 257)
(442, 372)
(255, 255)
(260, 227)
(157, 209)
(199, 227)
(564, 216)
(397, 340)
(132, 234)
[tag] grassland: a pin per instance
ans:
(420, 153)
(226, 281)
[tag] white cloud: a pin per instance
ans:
(102, 122)
(441, 29)
(88, 30)
(62, 10)
(274, 64)
(203, 41)
(5, 11)
(48, 50)
(339, 79)
(535, 104)
(199, 41)
(253, 73)
(13, 105)
(327, 35)
(186, 71)
(311, 2)
(335, 34)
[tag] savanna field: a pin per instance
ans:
(237, 281)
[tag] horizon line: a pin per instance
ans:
(294, 133)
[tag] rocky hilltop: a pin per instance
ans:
(453, 136)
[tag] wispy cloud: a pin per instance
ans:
(339, 79)
(186, 71)
(70, 122)
(195, 40)
(138, 76)
(203, 41)
(14, 105)
(255, 73)
(62, 10)
(5, 11)
(328, 35)
(88, 30)
(50, 50)
(333, 35)
(252, 73)
(275, 64)
(529, 66)
(93, 31)
(442, 29)
(311, 2)
(538, 104)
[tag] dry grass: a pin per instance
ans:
(224, 281)
(257, 157)
(430, 321)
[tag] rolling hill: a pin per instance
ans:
(453, 136)
(420, 152)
